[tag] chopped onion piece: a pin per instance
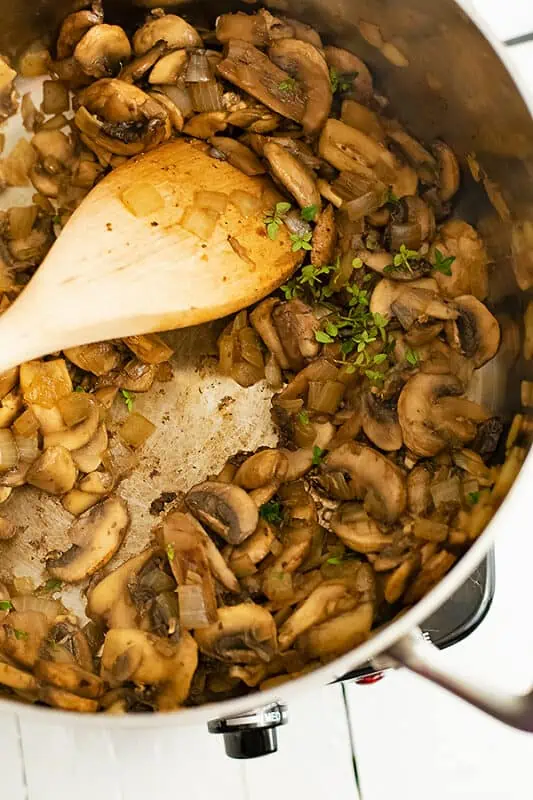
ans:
(18, 163)
(273, 373)
(44, 605)
(55, 97)
(28, 447)
(430, 530)
(26, 424)
(75, 407)
(31, 118)
(142, 199)
(248, 204)
(136, 430)
(214, 201)
(325, 397)
(45, 382)
(200, 221)
(206, 96)
(250, 347)
(446, 493)
(21, 219)
(526, 393)
(34, 61)
(9, 455)
(149, 348)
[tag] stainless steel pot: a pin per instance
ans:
(457, 86)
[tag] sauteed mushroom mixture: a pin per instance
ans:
(385, 469)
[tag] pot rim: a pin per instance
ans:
(379, 643)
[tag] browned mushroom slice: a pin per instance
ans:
(261, 319)
(17, 678)
(8, 95)
(387, 291)
(250, 28)
(74, 27)
(89, 457)
(102, 51)
(350, 68)
(417, 155)
(296, 326)
(169, 68)
(150, 660)
(449, 174)
(380, 423)
(432, 412)
(371, 477)
(338, 635)
(324, 238)
(411, 224)
(413, 304)
(188, 560)
(396, 583)
(136, 376)
(243, 559)
(120, 117)
(243, 634)
(66, 700)
(357, 530)
(70, 677)
(432, 571)
(96, 537)
(22, 635)
(250, 70)
(261, 468)
(350, 150)
(203, 126)
(327, 600)
(475, 332)
(53, 472)
(219, 568)
(294, 176)
(362, 118)
(99, 358)
(238, 155)
(149, 348)
(382, 261)
(469, 274)
(171, 29)
(110, 600)
(308, 66)
(224, 508)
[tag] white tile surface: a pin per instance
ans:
(507, 18)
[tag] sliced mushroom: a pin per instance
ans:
(99, 358)
(22, 635)
(350, 68)
(262, 322)
(110, 599)
(66, 700)
(261, 468)
(206, 125)
(187, 555)
(224, 508)
(169, 68)
(150, 660)
(324, 238)
(171, 29)
(74, 27)
(121, 118)
(412, 223)
(382, 261)
(416, 305)
(137, 68)
(301, 461)
(338, 635)
(294, 176)
(96, 537)
(243, 634)
(70, 677)
(475, 332)
(175, 114)
(359, 116)
(250, 70)
(218, 566)
(296, 327)
(136, 376)
(357, 530)
(419, 501)
(8, 94)
(54, 145)
(78, 435)
(432, 412)
(386, 292)
(308, 66)
(351, 150)
(371, 477)
(97, 483)
(76, 501)
(17, 678)
(53, 472)
(449, 173)
(89, 457)
(238, 155)
(380, 423)
(250, 28)
(469, 272)
(327, 600)
(102, 51)
(243, 559)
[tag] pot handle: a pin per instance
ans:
(419, 655)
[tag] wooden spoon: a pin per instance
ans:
(112, 274)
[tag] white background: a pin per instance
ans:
(410, 740)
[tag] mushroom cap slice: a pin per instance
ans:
(338, 635)
(53, 472)
(327, 600)
(226, 509)
(174, 30)
(293, 174)
(387, 291)
(110, 599)
(475, 333)
(357, 530)
(102, 51)
(307, 64)
(349, 65)
(415, 407)
(96, 537)
(73, 28)
(243, 634)
(78, 435)
(169, 68)
(372, 477)
(380, 424)
(70, 677)
(261, 468)
(22, 634)
(351, 150)
(469, 270)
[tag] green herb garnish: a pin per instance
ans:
(271, 512)
(129, 398)
(20, 634)
(303, 417)
(411, 356)
(340, 83)
(402, 260)
(357, 263)
(274, 220)
(6, 605)
(443, 264)
(473, 498)
(318, 454)
(309, 280)
(53, 585)
(56, 219)
(288, 85)
(171, 552)
(302, 242)
(309, 213)
(334, 560)
(79, 389)
(391, 197)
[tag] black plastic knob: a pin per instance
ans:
(253, 734)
